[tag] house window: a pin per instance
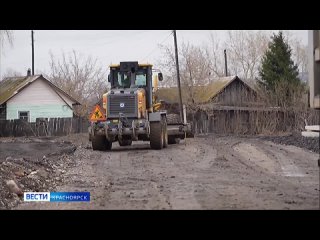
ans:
(24, 116)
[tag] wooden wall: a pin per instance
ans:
(253, 122)
(236, 94)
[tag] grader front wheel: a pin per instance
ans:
(156, 135)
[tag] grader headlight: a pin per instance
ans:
(104, 102)
(141, 104)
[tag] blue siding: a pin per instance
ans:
(36, 111)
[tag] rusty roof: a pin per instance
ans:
(11, 86)
(202, 94)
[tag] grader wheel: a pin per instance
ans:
(156, 135)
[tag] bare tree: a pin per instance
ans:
(195, 70)
(5, 36)
(244, 52)
(300, 55)
(214, 53)
(80, 77)
(11, 73)
(245, 49)
(299, 51)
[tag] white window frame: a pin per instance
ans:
(28, 120)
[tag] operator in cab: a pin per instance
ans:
(126, 80)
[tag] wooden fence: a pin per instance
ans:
(238, 121)
(43, 127)
(252, 121)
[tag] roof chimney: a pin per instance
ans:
(225, 63)
(29, 72)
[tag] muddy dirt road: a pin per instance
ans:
(205, 173)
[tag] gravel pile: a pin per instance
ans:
(297, 140)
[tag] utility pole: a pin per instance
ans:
(32, 43)
(0, 60)
(178, 75)
(225, 62)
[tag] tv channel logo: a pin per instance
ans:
(57, 196)
(36, 196)
(70, 197)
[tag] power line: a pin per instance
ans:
(157, 46)
(32, 42)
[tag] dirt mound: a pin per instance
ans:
(33, 164)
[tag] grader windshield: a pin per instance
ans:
(130, 75)
(128, 79)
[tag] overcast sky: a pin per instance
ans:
(108, 46)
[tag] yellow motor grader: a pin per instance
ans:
(131, 111)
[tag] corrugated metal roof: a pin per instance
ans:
(11, 86)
